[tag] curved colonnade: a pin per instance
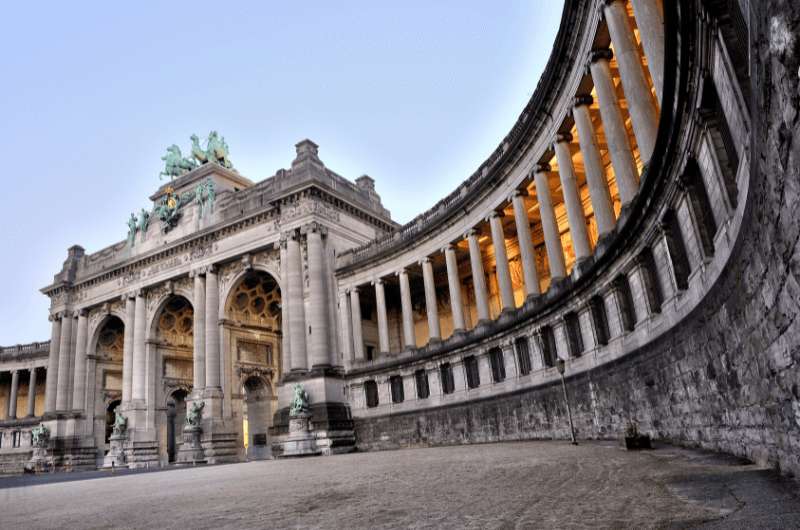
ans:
(598, 226)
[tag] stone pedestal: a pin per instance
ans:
(301, 440)
(40, 461)
(116, 455)
(191, 452)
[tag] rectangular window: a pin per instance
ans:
(498, 364)
(421, 377)
(676, 249)
(370, 353)
(547, 343)
(16, 437)
(396, 386)
(597, 307)
(699, 203)
(523, 355)
(371, 393)
(625, 301)
(573, 329)
(652, 287)
(446, 374)
(473, 375)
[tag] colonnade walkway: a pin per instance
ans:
(523, 484)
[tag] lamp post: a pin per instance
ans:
(560, 366)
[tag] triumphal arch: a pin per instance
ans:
(218, 281)
(630, 247)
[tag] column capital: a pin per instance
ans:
(247, 261)
(377, 281)
(52, 317)
(601, 54)
(353, 289)
(472, 232)
(314, 227)
(495, 213)
(518, 193)
(197, 272)
(210, 269)
(402, 271)
(65, 314)
(450, 247)
(563, 137)
(583, 99)
(82, 312)
(424, 259)
(542, 167)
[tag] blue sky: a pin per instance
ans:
(416, 94)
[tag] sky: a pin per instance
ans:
(415, 94)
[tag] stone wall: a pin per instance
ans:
(728, 377)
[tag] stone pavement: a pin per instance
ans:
(510, 485)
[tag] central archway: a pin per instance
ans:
(252, 333)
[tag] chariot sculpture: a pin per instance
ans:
(216, 151)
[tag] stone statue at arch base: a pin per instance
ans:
(40, 459)
(119, 435)
(301, 440)
(191, 452)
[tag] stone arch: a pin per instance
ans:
(97, 326)
(153, 313)
(257, 413)
(234, 282)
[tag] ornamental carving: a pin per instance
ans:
(306, 207)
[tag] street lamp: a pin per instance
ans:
(560, 365)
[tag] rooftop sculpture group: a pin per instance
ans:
(215, 151)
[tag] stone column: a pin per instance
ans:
(501, 260)
(649, 16)
(199, 333)
(139, 365)
(641, 106)
(64, 350)
(51, 382)
(552, 236)
(593, 164)
(286, 350)
(431, 309)
(12, 395)
(454, 286)
(347, 326)
(478, 278)
(572, 198)
(409, 337)
(358, 336)
(526, 251)
(383, 324)
(297, 312)
(79, 382)
(317, 298)
(619, 147)
(213, 380)
(32, 394)
(127, 347)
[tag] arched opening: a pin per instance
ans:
(252, 331)
(257, 411)
(176, 414)
(172, 335)
(108, 344)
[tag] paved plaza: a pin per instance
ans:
(511, 485)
